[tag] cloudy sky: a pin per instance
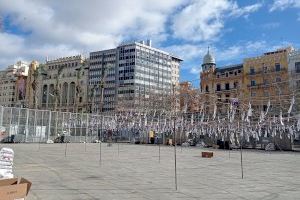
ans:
(234, 29)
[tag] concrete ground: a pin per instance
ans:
(136, 173)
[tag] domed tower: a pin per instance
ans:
(209, 62)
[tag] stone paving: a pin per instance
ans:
(73, 171)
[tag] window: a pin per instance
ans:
(218, 87)
(278, 79)
(266, 82)
(297, 67)
(227, 86)
(252, 71)
(235, 84)
(266, 93)
(265, 69)
(253, 82)
(253, 94)
(207, 89)
(277, 67)
(227, 98)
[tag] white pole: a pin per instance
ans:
(10, 122)
(98, 132)
(27, 127)
(81, 120)
(62, 127)
(49, 126)
(75, 127)
(56, 121)
(1, 116)
(63, 123)
(175, 159)
(100, 153)
(19, 115)
(241, 143)
(69, 124)
(86, 129)
(34, 124)
(41, 130)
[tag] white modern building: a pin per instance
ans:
(102, 70)
(135, 75)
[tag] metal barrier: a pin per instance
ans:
(30, 125)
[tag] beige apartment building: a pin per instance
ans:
(64, 84)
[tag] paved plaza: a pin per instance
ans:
(134, 172)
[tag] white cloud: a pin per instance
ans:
(187, 51)
(284, 4)
(196, 70)
(245, 11)
(201, 20)
(81, 26)
(204, 20)
(241, 51)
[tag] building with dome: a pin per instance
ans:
(219, 85)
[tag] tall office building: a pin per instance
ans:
(102, 70)
(135, 76)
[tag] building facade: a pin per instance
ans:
(13, 84)
(135, 76)
(266, 79)
(219, 85)
(294, 76)
(102, 73)
(188, 98)
(63, 86)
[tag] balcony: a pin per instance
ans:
(263, 72)
(262, 85)
(226, 90)
(230, 76)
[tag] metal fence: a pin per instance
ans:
(30, 125)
